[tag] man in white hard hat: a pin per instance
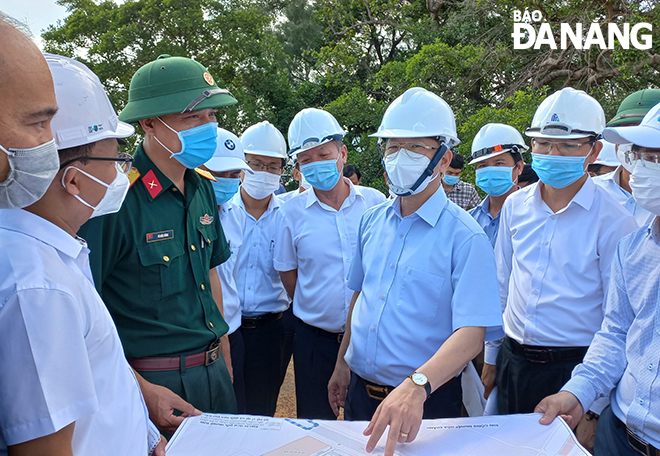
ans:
(606, 161)
(261, 294)
(313, 251)
(425, 285)
(497, 155)
(631, 112)
(28, 154)
(622, 361)
(554, 249)
(66, 385)
(226, 166)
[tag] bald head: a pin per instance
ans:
(26, 90)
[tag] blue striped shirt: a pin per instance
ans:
(625, 353)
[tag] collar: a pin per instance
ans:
(273, 204)
(153, 179)
(355, 192)
(484, 206)
(430, 211)
(584, 197)
(42, 230)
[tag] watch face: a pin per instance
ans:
(419, 379)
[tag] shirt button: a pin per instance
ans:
(174, 189)
(650, 366)
(530, 317)
(541, 268)
(254, 245)
(211, 324)
(382, 296)
(249, 288)
(202, 287)
(373, 328)
(400, 235)
(193, 248)
(641, 402)
(535, 292)
(166, 258)
(546, 243)
(369, 363)
(391, 265)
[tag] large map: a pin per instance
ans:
(245, 435)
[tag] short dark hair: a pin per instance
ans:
(349, 170)
(76, 152)
(517, 156)
(528, 175)
(457, 161)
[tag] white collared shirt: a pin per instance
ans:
(61, 360)
(284, 197)
(612, 183)
(232, 219)
(554, 268)
(259, 285)
(420, 278)
(319, 242)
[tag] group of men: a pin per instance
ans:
(139, 289)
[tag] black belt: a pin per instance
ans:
(638, 444)
(545, 355)
(322, 332)
(260, 320)
(376, 391)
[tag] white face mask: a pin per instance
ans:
(645, 186)
(114, 195)
(31, 172)
(261, 184)
(404, 168)
(621, 150)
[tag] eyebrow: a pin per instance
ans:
(48, 112)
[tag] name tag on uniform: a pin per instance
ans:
(160, 236)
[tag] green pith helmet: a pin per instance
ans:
(635, 106)
(171, 85)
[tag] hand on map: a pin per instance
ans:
(402, 410)
(488, 379)
(563, 404)
(338, 385)
(162, 402)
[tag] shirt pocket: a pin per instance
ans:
(207, 237)
(420, 294)
(163, 270)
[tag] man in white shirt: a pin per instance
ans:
(313, 252)
(630, 113)
(67, 388)
(226, 165)
(554, 249)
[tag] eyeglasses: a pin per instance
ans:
(565, 148)
(391, 147)
(260, 167)
(648, 157)
(123, 160)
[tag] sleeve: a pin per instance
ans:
(356, 271)
(221, 250)
(474, 281)
(285, 257)
(45, 367)
(606, 360)
(503, 260)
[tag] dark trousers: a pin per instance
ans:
(445, 402)
(208, 388)
(611, 437)
(263, 366)
(314, 357)
(522, 384)
(289, 322)
(237, 359)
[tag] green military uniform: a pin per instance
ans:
(151, 260)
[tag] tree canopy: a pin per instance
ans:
(353, 57)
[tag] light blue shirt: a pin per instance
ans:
(232, 219)
(421, 278)
(610, 182)
(488, 223)
(625, 353)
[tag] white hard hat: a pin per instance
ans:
(494, 139)
(646, 134)
(85, 114)
(228, 154)
(419, 113)
(264, 139)
(607, 155)
(567, 114)
(312, 127)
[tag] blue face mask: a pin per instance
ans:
(197, 144)
(225, 188)
(322, 175)
(495, 180)
(450, 180)
(558, 171)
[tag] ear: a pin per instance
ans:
(70, 179)
(148, 126)
(593, 155)
(445, 161)
(344, 152)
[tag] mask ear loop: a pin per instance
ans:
(439, 153)
(163, 145)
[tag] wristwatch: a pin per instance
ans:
(420, 379)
